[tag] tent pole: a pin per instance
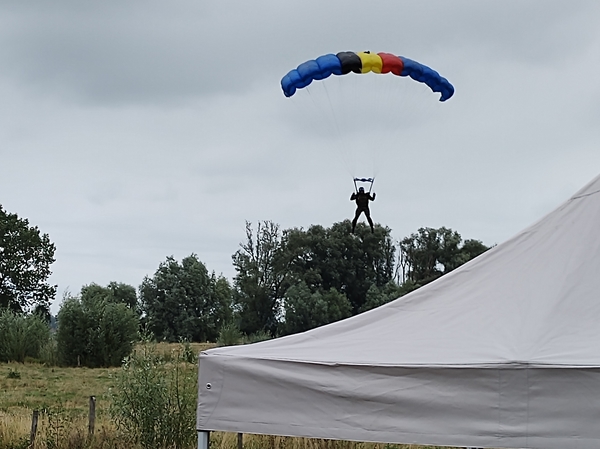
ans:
(203, 439)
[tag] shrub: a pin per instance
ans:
(187, 353)
(13, 374)
(21, 336)
(229, 335)
(49, 352)
(154, 401)
(94, 332)
(258, 336)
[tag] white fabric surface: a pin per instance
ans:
(502, 352)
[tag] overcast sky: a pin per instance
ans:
(132, 131)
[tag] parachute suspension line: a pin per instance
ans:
(387, 97)
(312, 99)
(302, 109)
(342, 156)
(361, 132)
(335, 121)
(354, 112)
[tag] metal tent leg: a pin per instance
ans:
(203, 439)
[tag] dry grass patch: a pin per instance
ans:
(166, 348)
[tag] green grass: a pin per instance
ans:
(41, 387)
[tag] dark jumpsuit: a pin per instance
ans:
(362, 205)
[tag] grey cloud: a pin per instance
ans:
(157, 52)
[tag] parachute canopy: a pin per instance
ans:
(364, 62)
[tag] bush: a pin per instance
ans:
(21, 336)
(229, 335)
(154, 401)
(257, 336)
(94, 332)
(13, 374)
(187, 353)
(49, 353)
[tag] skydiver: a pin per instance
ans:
(362, 199)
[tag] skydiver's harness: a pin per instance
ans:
(366, 196)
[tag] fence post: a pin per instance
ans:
(34, 423)
(92, 418)
(240, 441)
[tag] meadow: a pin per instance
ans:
(62, 397)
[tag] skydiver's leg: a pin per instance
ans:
(368, 215)
(356, 215)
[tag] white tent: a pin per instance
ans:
(502, 352)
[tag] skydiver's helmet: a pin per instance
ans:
(361, 190)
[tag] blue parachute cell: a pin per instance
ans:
(428, 76)
(321, 68)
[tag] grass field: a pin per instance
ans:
(43, 388)
(61, 395)
(39, 387)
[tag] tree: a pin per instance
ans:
(124, 293)
(25, 259)
(95, 329)
(305, 310)
(114, 292)
(259, 279)
(182, 301)
(431, 253)
(334, 258)
(378, 296)
(298, 279)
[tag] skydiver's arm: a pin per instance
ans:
(353, 197)
(372, 197)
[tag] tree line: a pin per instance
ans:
(286, 281)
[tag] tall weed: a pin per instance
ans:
(154, 400)
(57, 427)
(230, 335)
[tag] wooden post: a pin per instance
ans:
(92, 421)
(240, 441)
(34, 423)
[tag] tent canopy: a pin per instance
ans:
(502, 352)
